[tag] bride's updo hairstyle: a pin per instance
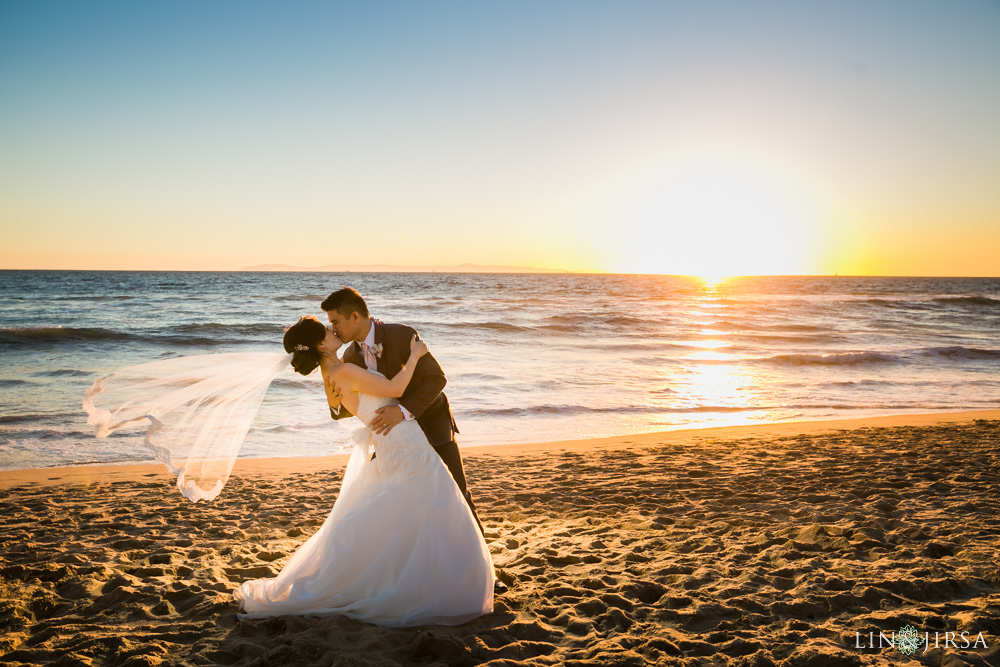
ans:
(301, 340)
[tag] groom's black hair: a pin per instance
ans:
(346, 301)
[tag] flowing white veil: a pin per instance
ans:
(197, 411)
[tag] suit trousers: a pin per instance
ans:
(453, 460)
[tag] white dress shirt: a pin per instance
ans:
(372, 363)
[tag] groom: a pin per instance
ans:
(385, 348)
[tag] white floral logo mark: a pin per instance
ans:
(908, 640)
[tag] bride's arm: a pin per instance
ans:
(352, 378)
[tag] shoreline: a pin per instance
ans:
(282, 466)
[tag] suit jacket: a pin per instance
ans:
(424, 397)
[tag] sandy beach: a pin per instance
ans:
(782, 544)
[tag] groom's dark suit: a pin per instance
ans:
(423, 398)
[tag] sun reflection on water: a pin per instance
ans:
(720, 385)
(705, 344)
(711, 381)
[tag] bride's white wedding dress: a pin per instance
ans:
(400, 546)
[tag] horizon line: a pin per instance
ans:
(525, 271)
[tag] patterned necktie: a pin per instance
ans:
(370, 360)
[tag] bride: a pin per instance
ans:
(400, 546)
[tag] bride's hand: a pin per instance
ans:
(334, 397)
(417, 348)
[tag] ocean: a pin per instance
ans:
(529, 357)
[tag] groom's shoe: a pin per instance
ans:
(499, 587)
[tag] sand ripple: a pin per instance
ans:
(755, 552)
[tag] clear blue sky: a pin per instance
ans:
(626, 136)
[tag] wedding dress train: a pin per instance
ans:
(400, 546)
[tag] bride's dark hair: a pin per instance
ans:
(308, 332)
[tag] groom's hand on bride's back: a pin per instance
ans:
(386, 418)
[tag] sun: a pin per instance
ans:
(717, 218)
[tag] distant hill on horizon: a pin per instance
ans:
(393, 268)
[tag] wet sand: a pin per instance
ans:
(763, 545)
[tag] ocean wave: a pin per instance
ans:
(757, 326)
(487, 326)
(207, 328)
(13, 382)
(861, 358)
(179, 335)
(969, 301)
(19, 335)
(779, 338)
(592, 319)
(642, 343)
(50, 434)
(301, 297)
(625, 329)
(482, 377)
(898, 304)
(92, 297)
(977, 303)
(795, 327)
(916, 405)
(292, 383)
(63, 372)
(187, 341)
(561, 328)
(565, 410)
(281, 428)
(835, 359)
(857, 383)
(958, 352)
(21, 419)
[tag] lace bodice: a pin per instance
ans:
(404, 451)
(368, 404)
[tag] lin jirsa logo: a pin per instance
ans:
(908, 640)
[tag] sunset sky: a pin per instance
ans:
(704, 138)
